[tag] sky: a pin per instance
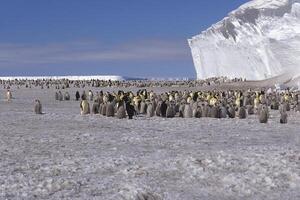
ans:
(135, 38)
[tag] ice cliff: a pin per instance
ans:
(259, 40)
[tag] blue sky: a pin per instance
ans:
(137, 38)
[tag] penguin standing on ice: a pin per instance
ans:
(205, 110)
(143, 107)
(214, 112)
(91, 95)
(67, 96)
(188, 112)
(84, 107)
(130, 109)
(242, 113)
(77, 95)
(250, 109)
(263, 115)
(157, 110)
(95, 107)
(56, 96)
(60, 96)
(283, 117)
(223, 112)
(38, 107)
(8, 95)
(170, 112)
(150, 109)
(121, 112)
(283, 114)
(110, 111)
(163, 109)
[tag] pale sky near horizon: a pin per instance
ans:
(135, 38)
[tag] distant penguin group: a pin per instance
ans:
(185, 104)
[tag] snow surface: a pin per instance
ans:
(63, 155)
(259, 40)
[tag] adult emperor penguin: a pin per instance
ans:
(163, 109)
(130, 109)
(91, 95)
(37, 107)
(84, 106)
(77, 95)
(8, 95)
(143, 107)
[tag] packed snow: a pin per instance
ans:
(259, 40)
(63, 155)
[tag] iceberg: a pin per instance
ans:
(259, 40)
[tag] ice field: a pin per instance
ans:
(63, 155)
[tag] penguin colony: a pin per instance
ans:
(185, 104)
(213, 104)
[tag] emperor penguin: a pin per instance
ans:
(181, 109)
(143, 107)
(283, 108)
(157, 110)
(150, 110)
(91, 95)
(205, 110)
(163, 109)
(223, 112)
(77, 96)
(103, 109)
(263, 116)
(38, 107)
(283, 117)
(84, 107)
(250, 109)
(170, 113)
(8, 95)
(60, 96)
(242, 113)
(274, 104)
(121, 113)
(214, 112)
(110, 111)
(95, 107)
(130, 109)
(197, 112)
(67, 96)
(56, 96)
(188, 112)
